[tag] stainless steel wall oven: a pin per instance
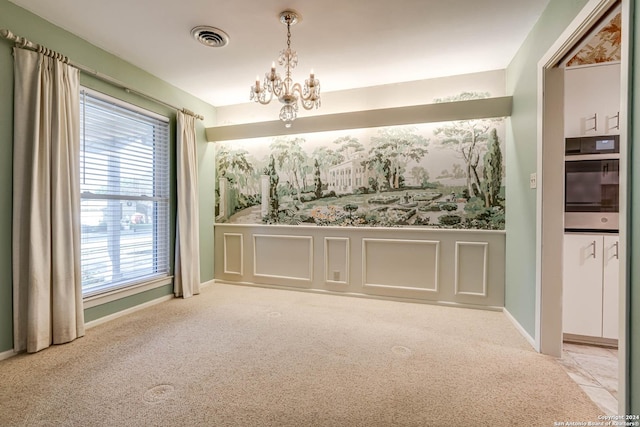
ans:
(591, 201)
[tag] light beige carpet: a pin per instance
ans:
(241, 356)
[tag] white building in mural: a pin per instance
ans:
(348, 176)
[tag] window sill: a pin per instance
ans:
(117, 294)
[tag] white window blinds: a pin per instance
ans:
(124, 184)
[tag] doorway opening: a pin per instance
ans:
(575, 56)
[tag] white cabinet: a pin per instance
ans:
(592, 100)
(610, 286)
(590, 285)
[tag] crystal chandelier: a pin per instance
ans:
(285, 90)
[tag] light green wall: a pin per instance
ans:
(521, 156)
(25, 24)
(521, 161)
(103, 310)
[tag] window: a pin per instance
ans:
(124, 184)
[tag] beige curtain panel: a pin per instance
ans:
(47, 288)
(187, 254)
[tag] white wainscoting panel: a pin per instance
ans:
(471, 268)
(283, 256)
(405, 264)
(233, 253)
(336, 260)
(439, 266)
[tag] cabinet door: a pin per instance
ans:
(582, 285)
(592, 100)
(611, 283)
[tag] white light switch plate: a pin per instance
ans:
(533, 180)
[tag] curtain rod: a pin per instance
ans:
(23, 43)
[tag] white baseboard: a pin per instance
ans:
(7, 354)
(520, 329)
(208, 283)
(359, 295)
(105, 319)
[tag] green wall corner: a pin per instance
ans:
(521, 160)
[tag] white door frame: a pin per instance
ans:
(549, 197)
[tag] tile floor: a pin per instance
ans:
(595, 369)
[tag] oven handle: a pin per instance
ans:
(580, 157)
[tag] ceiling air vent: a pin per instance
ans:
(210, 36)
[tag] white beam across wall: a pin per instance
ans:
(427, 113)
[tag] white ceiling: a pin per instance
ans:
(348, 43)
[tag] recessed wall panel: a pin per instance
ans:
(233, 254)
(471, 268)
(336, 253)
(287, 257)
(410, 264)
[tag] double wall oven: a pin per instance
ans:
(592, 183)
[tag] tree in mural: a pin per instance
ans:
(233, 165)
(456, 172)
(492, 171)
(291, 160)
(468, 138)
(391, 151)
(274, 203)
(305, 171)
(349, 147)
(326, 157)
(420, 175)
(317, 181)
(253, 177)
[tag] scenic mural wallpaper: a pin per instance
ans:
(440, 175)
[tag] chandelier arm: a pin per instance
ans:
(311, 95)
(311, 99)
(277, 88)
(263, 100)
(307, 105)
(277, 91)
(297, 89)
